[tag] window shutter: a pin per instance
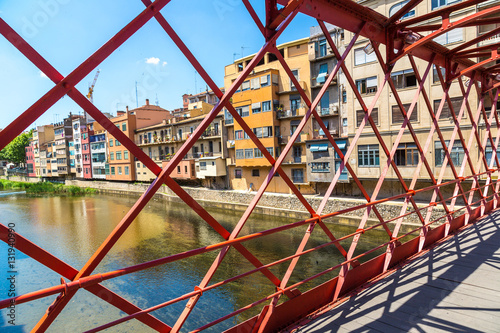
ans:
(263, 79)
(371, 82)
(455, 35)
(255, 83)
(359, 57)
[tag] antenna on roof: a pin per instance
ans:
(157, 103)
(136, 100)
(195, 83)
(234, 56)
(242, 48)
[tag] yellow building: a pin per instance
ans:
(271, 106)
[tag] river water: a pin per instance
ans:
(72, 228)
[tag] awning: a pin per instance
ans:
(341, 143)
(319, 147)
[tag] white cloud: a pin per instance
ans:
(42, 74)
(153, 60)
(164, 64)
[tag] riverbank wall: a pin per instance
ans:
(275, 204)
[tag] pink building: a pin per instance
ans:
(30, 160)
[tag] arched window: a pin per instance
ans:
(398, 6)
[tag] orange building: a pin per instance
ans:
(121, 164)
(271, 106)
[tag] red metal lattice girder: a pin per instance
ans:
(458, 66)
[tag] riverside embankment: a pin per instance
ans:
(275, 204)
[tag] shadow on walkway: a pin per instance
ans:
(455, 287)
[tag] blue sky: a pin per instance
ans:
(66, 32)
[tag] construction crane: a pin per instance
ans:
(90, 95)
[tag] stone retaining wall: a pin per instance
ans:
(271, 204)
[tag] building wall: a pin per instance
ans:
(389, 122)
(121, 166)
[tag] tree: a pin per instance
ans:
(15, 150)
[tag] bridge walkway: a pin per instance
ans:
(454, 287)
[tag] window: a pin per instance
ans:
(240, 135)
(257, 153)
(367, 86)
(245, 85)
(344, 96)
(344, 122)
(113, 171)
(453, 36)
(124, 127)
(203, 165)
(256, 108)
(111, 142)
(270, 150)
(255, 83)
(240, 154)
(228, 117)
(263, 132)
(457, 152)
(125, 154)
(397, 116)
(178, 169)
(398, 6)
(456, 103)
(255, 173)
(322, 47)
(237, 173)
(118, 155)
(111, 156)
(320, 167)
(441, 3)
(406, 154)
(404, 79)
(185, 169)
(360, 57)
(435, 75)
(297, 175)
(360, 114)
(295, 73)
(119, 170)
(127, 171)
(368, 156)
(265, 80)
(266, 106)
(138, 165)
(117, 143)
(249, 153)
(243, 111)
(323, 73)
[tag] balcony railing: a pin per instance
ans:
(228, 121)
(283, 114)
(209, 133)
(332, 110)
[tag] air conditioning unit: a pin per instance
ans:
(334, 109)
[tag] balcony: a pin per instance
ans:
(303, 137)
(210, 133)
(319, 134)
(293, 89)
(284, 114)
(332, 110)
(319, 81)
(229, 121)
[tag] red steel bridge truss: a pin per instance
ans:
(410, 38)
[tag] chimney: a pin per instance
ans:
(147, 101)
(120, 113)
(126, 108)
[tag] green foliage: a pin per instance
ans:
(14, 151)
(46, 188)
